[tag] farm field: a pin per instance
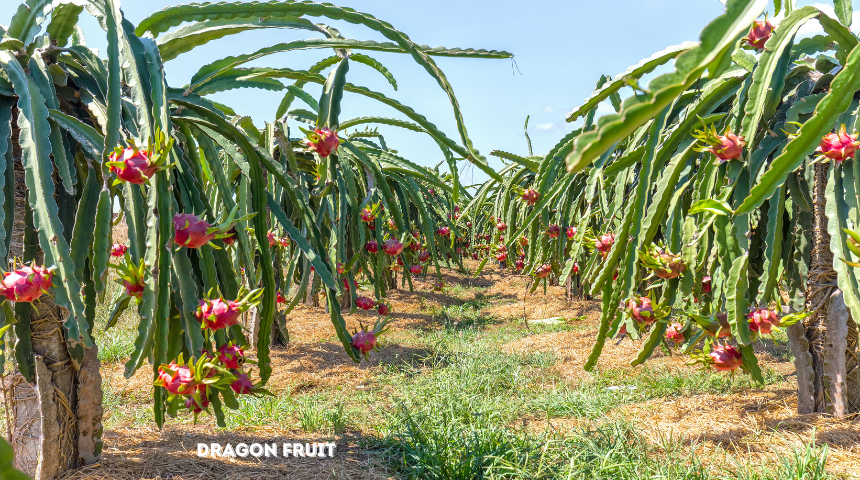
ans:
(463, 385)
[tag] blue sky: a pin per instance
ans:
(560, 48)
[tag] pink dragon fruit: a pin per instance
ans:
(762, 320)
(759, 34)
(323, 141)
(194, 406)
(134, 289)
(118, 250)
(706, 284)
(731, 147)
(575, 267)
(180, 382)
(520, 264)
(469, 224)
(232, 238)
(364, 303)
(281, 298)
(242, 385)
(424, 256)
(543, 271)
(132, 165)
(231, 355)
(26, 283)
(371, 246)
(553, 231)
(341, 268)
(674, 332)
(641, 310)
(502, 256)
(382, 309)
(392, 246)
(273, 240)
(367, 215)
(604, 243)
(839, 146)
(364, 342)
(444, 231)
(284, 242)
(571, 232)
(415, 269)
(501, 226)
(217, 314)
(191, 231)
(726, 358)
(530, 196)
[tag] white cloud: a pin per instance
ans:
(548, 109)
(544, 126)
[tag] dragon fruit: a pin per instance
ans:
(674, 332)
(665, 264)
(196, 407)
(391, 224)
(415, 269)
(604, 243)
(502, 256)
(281, 298)
(134, 290)
(242, 385)
(839, 146)
(191, 231)
(424, 256)
(575, 267)
(641, 311)
(132, 165)
(571, 232)
(341, 268)
(524, 241)
(553, 231)
(469, 224)
(706, 284)
(346, 284)
(231, 238)
(725, 358)
(444, 231)
(364, 303)
(273, 240)
(367, 215)
(392, 246)
(530, 196)
(26, 283)
(371, 246)
(217, 314)
(543, 271)
(284, 242)
(382, 309)
(730, 147)
(231, 355)
(501, 226)
(323, 141)
(759, 34)
(118, 250)
(179, 382)
(520, 264)
(364, 342)
(762, 320)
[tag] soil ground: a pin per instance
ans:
(320, 395)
